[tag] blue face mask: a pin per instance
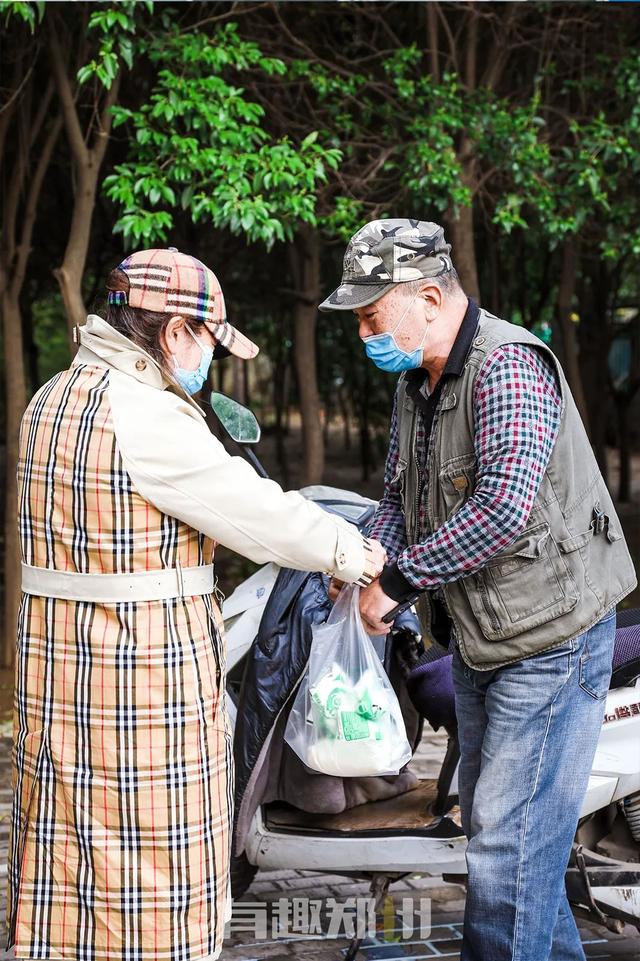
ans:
(383, 350)
(192, 380)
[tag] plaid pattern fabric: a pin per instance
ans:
(517, 415)
(122, 763)
(167, 281)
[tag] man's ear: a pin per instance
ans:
(433, 300)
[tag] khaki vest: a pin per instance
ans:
(568, 566)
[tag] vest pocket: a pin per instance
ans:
(523, 587)
(457, 481)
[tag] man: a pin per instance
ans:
(495, 511)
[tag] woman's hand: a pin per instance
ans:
(375, 559)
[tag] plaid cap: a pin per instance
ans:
(385, 253)
(173, 283)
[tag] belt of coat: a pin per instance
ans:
(112, 588)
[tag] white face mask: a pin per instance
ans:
(192, 380)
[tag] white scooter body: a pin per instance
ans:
(615, 775)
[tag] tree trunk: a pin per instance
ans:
(594, 350)
(87, 148)
(304, 258)
(463, 252)
(279, 402)
(237, 390)
(69, 274)
(566, 292)
(432, 41)
(624, 481)
(281, 399)
(496, 276)
(343, 404)
(31, 355)
(16, 400)
(17, 232)
(366, 456)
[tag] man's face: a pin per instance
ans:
(383, 315)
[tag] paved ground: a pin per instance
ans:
(440, 905)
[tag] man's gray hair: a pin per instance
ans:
(449, 283)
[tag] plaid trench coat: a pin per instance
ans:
(122, 765)
(122, 776)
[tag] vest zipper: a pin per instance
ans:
(485, 602)
(418, 486)
(431, 441)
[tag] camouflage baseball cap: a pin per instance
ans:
(385, 253)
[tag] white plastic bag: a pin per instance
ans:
(346, 719)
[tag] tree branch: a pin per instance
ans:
(28, 219)
(41, 114)
(236, 10)
(472, 48)
(432, 34)
(65, 93)
(452, 44)
(9, 108)
(105, 121)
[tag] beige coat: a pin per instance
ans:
(179, 466)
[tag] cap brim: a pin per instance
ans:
(350, 296)
(235, 342)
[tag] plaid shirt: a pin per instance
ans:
(517, 408)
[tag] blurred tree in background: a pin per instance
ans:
(259, 136)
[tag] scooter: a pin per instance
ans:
(418, 832)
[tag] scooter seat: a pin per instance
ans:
(627, 617)
(430, 683)
(430, 687)
(626, 651)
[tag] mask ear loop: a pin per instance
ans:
(397, 327)
(400, 322)
(176, 365)
(203, 347)
(197, 339)
(424, 338)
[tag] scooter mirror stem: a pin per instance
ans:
(253, 459)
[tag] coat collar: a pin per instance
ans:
(102, 344)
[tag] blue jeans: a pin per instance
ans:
(528, 734)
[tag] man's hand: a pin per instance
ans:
(374, 604)
(335, 586)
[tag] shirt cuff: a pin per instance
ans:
(395, 584)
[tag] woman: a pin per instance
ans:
(122, 776)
